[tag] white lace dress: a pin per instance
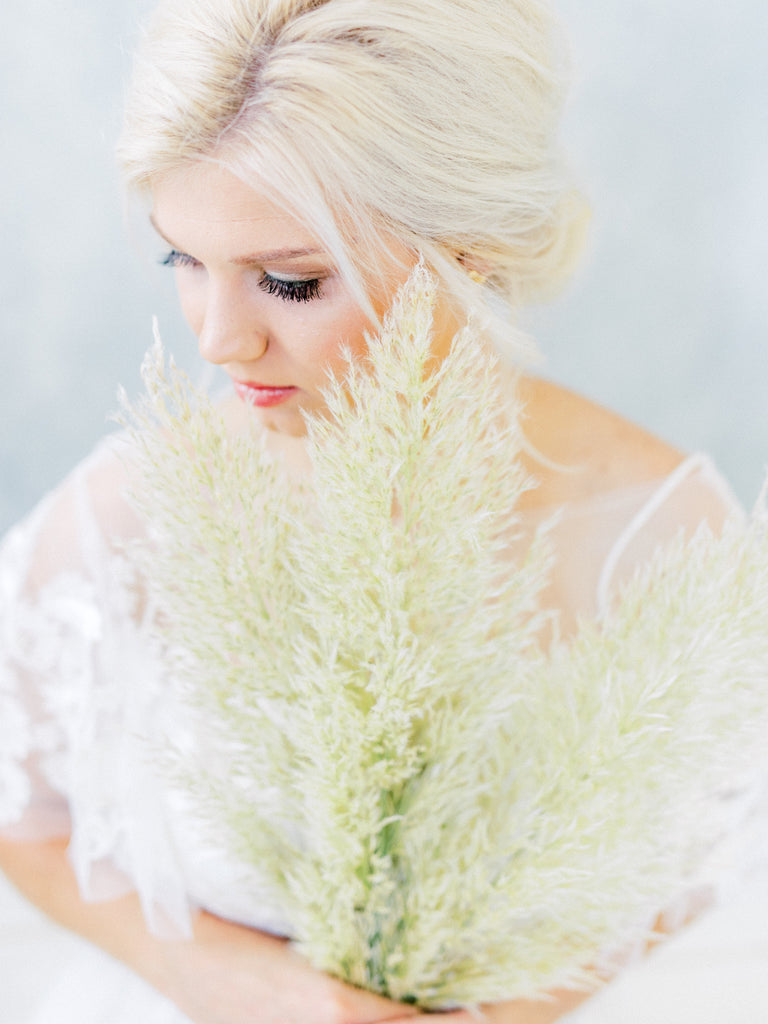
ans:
(86, 701)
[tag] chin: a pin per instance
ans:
(289, 424)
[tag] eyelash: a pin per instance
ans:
(288, 291)
(291, 291)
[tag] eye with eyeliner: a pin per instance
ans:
(291, 291)
(288, 289)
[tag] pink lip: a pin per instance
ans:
(262, 396)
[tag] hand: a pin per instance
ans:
(527, 1011)
(518, 1011)
(227, 974)
(233, 975)
(230, 974)
(448, 1017)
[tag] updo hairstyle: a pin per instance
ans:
(430, 121)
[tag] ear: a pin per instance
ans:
(475, 267)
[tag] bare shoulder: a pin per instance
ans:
(586, 449)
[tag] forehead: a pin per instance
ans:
(204, 202)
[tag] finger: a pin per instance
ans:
(450, 1017)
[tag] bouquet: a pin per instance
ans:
(450, 811)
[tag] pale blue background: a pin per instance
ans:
(667, 321)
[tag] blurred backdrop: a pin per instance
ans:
(667, 321)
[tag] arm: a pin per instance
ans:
(227, 974)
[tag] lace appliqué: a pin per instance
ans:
(84, 706)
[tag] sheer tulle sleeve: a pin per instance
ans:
(83, 698)
(598, 545)
(695, 496)
(599, 542)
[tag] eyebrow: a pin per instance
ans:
(268, 256)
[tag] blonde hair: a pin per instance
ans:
(430, 121)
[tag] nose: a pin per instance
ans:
(232, 330)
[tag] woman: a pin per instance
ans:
(301, 157)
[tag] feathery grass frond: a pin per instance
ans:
(449, 814)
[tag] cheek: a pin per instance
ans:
(321, 337)
(349, 334)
